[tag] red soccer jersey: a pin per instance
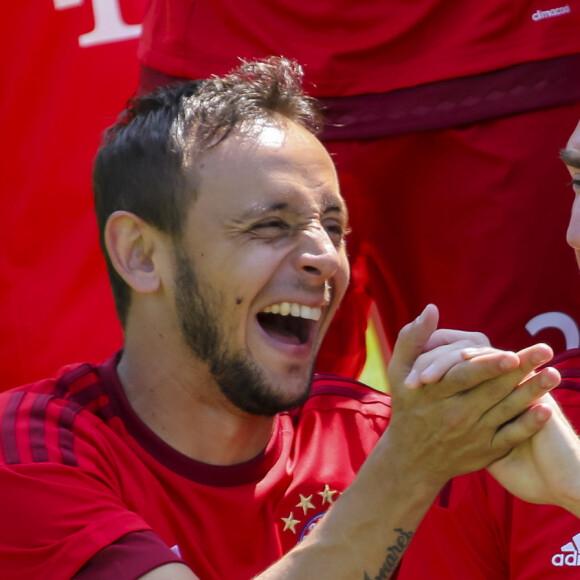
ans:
(354, 48)
(81, 470)
(479, 531)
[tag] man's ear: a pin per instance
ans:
(131, 243)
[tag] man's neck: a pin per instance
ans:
(180, 402)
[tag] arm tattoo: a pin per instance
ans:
(394, 554)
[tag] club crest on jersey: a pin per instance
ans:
(309, 511)
(310, 525)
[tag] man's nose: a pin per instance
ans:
(317, 257)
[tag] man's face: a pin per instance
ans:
(571, 156)
(262, 266)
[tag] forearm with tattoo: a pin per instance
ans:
(394, 554)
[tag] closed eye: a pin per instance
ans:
(336, 232)
(270, 228)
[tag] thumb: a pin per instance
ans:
(411, 343)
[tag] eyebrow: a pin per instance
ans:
(282, 206)
(258, 209)
(570, 157)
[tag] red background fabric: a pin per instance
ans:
(57, 97)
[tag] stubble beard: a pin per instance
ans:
(238, 377)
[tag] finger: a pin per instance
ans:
(410, 344)
(473, 352)
(530, 357)
(497, 389)
(535, 356)
(447, 336)
(521, 398)
(477, 374)
(522, 428)
(431, 366)
(441, 361)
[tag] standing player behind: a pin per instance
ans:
(476, 529)
(199, 450)
(429, 107)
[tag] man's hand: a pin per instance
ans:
(473, 414)
(545, 468)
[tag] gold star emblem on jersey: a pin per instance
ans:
(305, 503)
(327, 494)
(290, 523)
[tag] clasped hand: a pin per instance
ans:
(460, 405)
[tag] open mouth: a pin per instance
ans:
(290, 323)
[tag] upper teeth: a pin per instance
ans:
(294, 309)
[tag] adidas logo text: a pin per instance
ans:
(569, 555)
